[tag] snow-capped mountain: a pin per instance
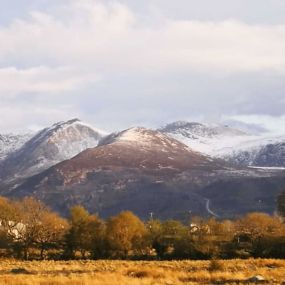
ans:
(147, 171)
(263, 151)
(260, 149)
(136, 169)
(48, 147)
(11, 142)
(210, 139)
(145, 139)
(146, 149)
(195, 130)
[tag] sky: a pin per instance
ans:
(117, 64)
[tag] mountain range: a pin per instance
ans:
(179, 170)
(231, 144)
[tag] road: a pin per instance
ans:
(208, 201)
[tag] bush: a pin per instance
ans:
(148, 273)
(216, 265)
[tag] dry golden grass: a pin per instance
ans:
(13, 272)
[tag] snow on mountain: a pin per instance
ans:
(144, 138)
(69, 138)
(238, 147)
(145, 145)
(210, 139)
(263, 151)
(11, 142)
(142, 148)
(137, 169)
(195, 130)
(49, 146)
(145, 171)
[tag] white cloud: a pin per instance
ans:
(270, 123)
(32, 116)
(40, 80)
(111, 37)
(105, 57)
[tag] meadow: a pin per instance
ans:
(108, 272)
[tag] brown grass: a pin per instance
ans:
(13, 272)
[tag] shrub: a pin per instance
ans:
(216, 265)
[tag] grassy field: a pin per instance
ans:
(13, 272)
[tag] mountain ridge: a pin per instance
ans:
(146, 171)
(142, 170)
(230, 144)
(47, 147)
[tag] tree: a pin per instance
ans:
(220, 233)
(51, 233)
(166, 237)
(97, 237)
(86, 234)
(203, 237)
(256, 228)
(31, 213)
(259, 224)
(124, 233)
(9, 216)
(154, 233)
(38, 226)
(76, 238)
(7, 211)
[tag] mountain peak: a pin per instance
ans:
(49, 146)
(68, 122)
(195, 129)
(184, 123)
(137, 134)
(181, 125)
(205, 138)
(145, 138)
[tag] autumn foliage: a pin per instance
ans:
(30, 230)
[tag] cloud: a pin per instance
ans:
(111, 37)
(40, 80)
(111, 64)
(273, 124)
(27, 116)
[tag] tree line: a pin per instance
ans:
(30, 230)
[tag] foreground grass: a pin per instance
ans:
(13, 272)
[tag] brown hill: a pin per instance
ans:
(146, 171)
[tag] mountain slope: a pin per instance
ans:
(148, 149)
(137, 169)
(136, 149)
(209, 139)
(11, 142)
(230, 144)
(264, 152)
(146, 171)
(59, 142)
(196, 130)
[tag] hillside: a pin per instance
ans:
(146, 171)
(48, 147)
(235, 146)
